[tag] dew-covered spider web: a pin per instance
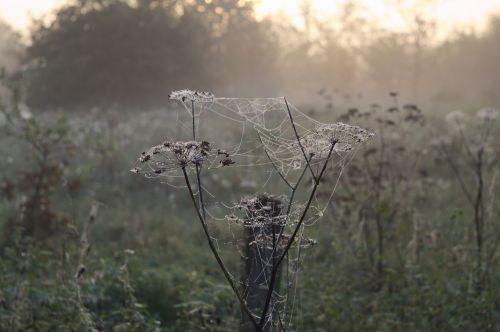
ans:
(261, 173)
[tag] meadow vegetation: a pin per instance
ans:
(409, 240)
(397, 249)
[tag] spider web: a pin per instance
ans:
(258, 159)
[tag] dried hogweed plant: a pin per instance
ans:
(372, 200)
(265, 139)
(471, 151)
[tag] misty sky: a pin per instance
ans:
(449, 12)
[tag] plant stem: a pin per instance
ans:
(216, 254)
(292, 238)
(298, 140)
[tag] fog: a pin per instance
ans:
(101, 53)
(188, 165)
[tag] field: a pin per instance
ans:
(329, 173)
(93, 246)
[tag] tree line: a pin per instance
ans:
(131, 54)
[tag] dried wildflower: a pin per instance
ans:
(456, 116)
(415, 117)
(411, 107)
(456, 119)
(171, 156)
(191, 95)
(290, 155)
(260, 210)
(222, 152)
(344, 136)
(352, 111)
(264, 218)
(227, 162)
(488, 113)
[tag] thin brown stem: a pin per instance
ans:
(292, 238)
(298, 140)
(455, 171)
(478, 218)
(216, 253)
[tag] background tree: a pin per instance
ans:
(105, 52)
(10, 47)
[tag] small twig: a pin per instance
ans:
(194, 121)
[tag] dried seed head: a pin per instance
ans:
(318, 143)
(260, 210)
(456, 117)
(488, 113)
(227, 162)
(191, 95)
(171, 156)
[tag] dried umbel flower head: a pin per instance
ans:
(342, 136)
(456, 117)
(191, 95)
(260, 210)
(170, 157)
(488, 114)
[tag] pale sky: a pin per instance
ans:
(18, 12)
(450, 12)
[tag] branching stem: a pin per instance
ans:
(216, 253)
(292, 238)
